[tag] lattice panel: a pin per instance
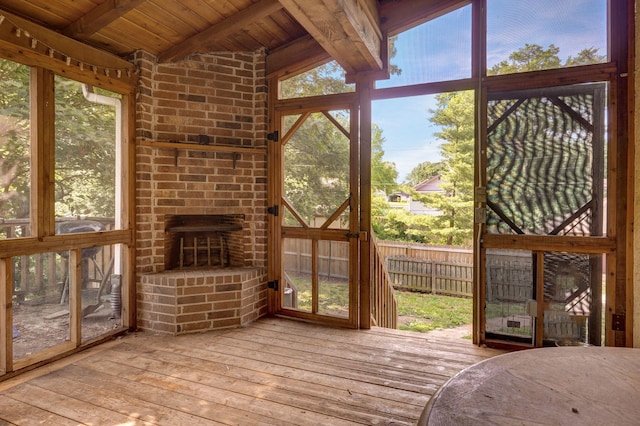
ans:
(545, 161)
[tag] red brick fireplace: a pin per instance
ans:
(201, 239)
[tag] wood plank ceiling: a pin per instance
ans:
(347, 30)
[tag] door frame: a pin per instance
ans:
(538, 244)
(278, 110)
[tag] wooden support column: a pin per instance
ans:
(128, 260)
(75, 296)
(364, 86)
(274, 164)
(6, 315)
(42, 152)
(635, 88)
(619, 310)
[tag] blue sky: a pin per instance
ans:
(441, 50)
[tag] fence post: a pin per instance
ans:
(434, 286)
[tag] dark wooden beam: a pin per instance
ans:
(298, 56)
(201, 41)
(348, 30)
(99, 17)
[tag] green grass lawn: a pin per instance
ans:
(422, 312)
(333, 295)
(429, 312)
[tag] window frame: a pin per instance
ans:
(44, 65)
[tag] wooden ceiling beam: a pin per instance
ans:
(200, 42)
(296, 57)
(348, 30)
(99, 17)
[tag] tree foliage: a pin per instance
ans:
(85, 153)
(533, 57)
(323, 80)
(384, 176)
(14, 140)
(454, 116)
(84, 148)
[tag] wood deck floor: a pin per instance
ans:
(275, 371)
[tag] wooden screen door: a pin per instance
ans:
(542, 244)
(314, 198)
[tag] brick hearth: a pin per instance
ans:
(181, 302)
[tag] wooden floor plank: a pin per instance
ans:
(289, 355)
(414, 343)
(70, 407)
(291, 352)
(86, 385)
(424, 362)
(282, 372)
(321, 364)
(183, 381)
(275, 371)
(321, 389)
(14, 412)
(196, 371)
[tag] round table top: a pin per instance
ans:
(551, 386)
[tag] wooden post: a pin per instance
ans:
(364, 86)
(274, 196)
(6, 314)
(38, 274)
(42, 152)
(75, 296)
(434, 286)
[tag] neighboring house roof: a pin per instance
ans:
(430, 185)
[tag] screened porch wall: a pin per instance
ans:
(208, 99)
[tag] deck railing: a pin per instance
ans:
(44, 273)
(384, 306)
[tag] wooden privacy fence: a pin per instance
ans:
(431, 276)
(425, 251)
(416, 267)
(429, 269)
(333, 258)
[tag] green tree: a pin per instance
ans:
(533, 57)
(524, 130)
(586, 57)
(85, 153)
(14, 140)
(85, 150)
(323, 80)
(383, 173)
(454, 116)
(316, 164)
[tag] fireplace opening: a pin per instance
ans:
(203, 241)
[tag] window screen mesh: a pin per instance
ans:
(545, 161)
